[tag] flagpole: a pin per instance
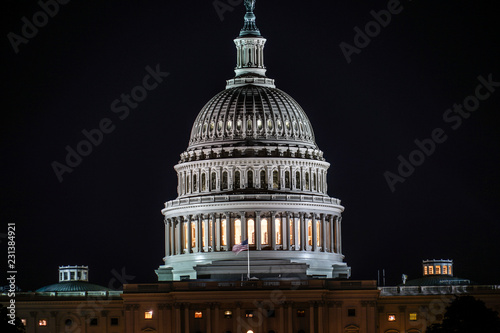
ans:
(248, 256)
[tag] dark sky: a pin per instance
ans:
(366, 113)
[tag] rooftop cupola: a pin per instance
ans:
(250, 67)
(438, 267)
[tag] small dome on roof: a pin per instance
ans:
(73, 286)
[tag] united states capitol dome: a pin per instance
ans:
(252, 177)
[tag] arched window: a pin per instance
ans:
(193, 234)
(249, 124)
(224, 181)
(314, 181)
(188, 185)
(250, 179)
(263, 182)
(276, 180)
(204, 182)
(307, 181)
(264, 239)
(287, 179)
(297, 180)
(251, 231)
(213, 181)
(237, 180)
(237, 231)
(195, 187)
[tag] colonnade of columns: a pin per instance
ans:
(218, 232)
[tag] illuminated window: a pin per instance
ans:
(210, 232)
(223, 232)
(193, 234)
(278, 231)
(198, 315)
(249, 125)
(249, 331)
(445, 269)
(299, 237)
(229, 125)
(263, 232)
(239, 125)
(431, 270)
(24, 322)
(184, 235)
(351, 312)
(42, 322)
(228, 314)
(148, 315)
(204, 233)
(251, 231)
(438, 269)
(259, 125)
(391, 317)
(237, 231)
(425, 270)
(301, 313)
(249, 314)
(449, 270)
(291, 231)
(413, 316)
(318, 233)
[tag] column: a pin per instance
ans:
(206, 223)
(209, 318)
(320, 317)
(244, 226)
(258, 241)
(229, 228)
(217, 232)
(290, 317)
(339, 222)
(323, 233)
(177, 317)
(199, 236)
(296, 226)
(178, 224)
(331, 220)
(281, 310)
(285, 231)
(238, 316)
(402, 317)
(186, 317)
(216, 315)
(338, 305)
(314, 232)
(311, 317)
(172, 236)
(303, 234)
(167, 238)
(273, 230)
(212, 218)
(189, 235)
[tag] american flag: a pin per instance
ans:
(237, 248)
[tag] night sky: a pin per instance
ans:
(365, 114)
